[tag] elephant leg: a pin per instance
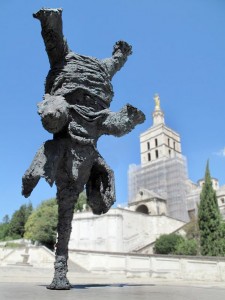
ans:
(69, 186)
(66, 201)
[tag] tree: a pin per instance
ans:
(6, 219)
(191, 229)
(192, 233)
(209, 219)
(186, 247)
(18, 221)
(42, 223)
(167, 243)
(4, 228)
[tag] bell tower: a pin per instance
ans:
(159, 141)
(163, 169)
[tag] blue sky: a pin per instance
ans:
(178, 52)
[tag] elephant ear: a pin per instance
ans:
(44, 165)
(100, 187)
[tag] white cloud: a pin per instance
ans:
(221, 152)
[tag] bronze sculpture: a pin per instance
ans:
(75, 109)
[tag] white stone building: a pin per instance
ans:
(149, 203)
(119, 230)
(193, 196)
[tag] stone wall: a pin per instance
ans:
(155, 266)
(128, 264)
(120, 230)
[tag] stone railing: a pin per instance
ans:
(155, 266)
(37, 256)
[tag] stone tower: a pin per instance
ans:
(163, 168)
(159, 141)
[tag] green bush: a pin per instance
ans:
(186, 247)
(167, 243)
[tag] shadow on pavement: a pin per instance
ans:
(87, 286)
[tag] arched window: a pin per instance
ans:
(149, 156)
(156, 142)
(156, 154)
(142, 209)
(148, 145)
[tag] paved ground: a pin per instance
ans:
(23, 283)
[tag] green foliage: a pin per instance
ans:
(191, 229)
(4, 229)
(167, 243)
(6, 219)
(14, 228)
(81, 201)
(13, 245)
(42, 223)
(39, 225)
(220, 243)
(18, 221)
(209, 219)
(186, 247)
